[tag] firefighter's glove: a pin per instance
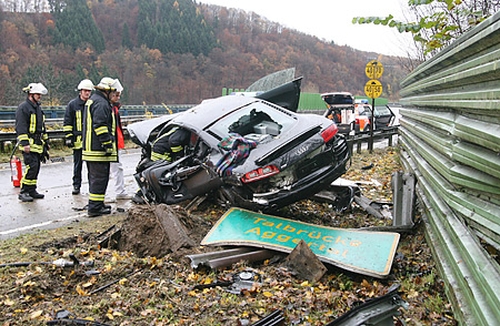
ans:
(69, 142)
(108, 148)
(45, 154)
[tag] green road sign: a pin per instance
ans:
(365, 252)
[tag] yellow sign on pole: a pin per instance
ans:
(373, 88)
(374, 69)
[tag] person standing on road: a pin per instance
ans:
(99, 145)
(32, 138)
(73, 126)
(117, 168)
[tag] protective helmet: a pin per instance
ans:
(119, 87)
(86, 84)
(35, 88)
(107, 84)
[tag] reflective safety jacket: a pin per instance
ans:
(99, 126)
(30, 126)
(73, 121)
(170, 145)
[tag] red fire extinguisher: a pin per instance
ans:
(16, 170)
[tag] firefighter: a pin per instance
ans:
(99, 145)
(73, 126)
(32, 138)
(170, 145)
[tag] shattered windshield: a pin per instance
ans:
(255, 121)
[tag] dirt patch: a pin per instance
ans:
(160, 230)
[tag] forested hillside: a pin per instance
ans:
(168, 51)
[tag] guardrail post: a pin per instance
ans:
(403, 198)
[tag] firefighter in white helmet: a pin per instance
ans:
(32, 138)
(73, 126)
(99, 143)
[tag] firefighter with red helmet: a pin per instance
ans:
(99, 143)
(32, 138)
(73, 126)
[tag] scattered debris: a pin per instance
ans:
(109, 238)
(367, 167)
(244, 281)
(104, 287)
(227, 257)
(366, 204)
(378, 311)
(275, 318)
(305, 263)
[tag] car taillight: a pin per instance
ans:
(329, 133)
(260, 173)
(356, 121)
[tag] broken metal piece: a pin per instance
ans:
(305, 263)
(244, 281)
(223, 258)
(366, 204)
(378, 311)
(115, 281)
(275, 318)
(340, 194)
(109, 238)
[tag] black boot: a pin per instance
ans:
(35, 195)
(25, 197)
(103, 210)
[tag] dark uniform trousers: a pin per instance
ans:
(77, 168)
(98, 174)
(29, 180)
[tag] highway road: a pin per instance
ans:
(59, 207)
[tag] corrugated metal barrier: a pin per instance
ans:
(450, 139)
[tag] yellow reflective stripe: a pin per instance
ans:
(101, 130)
(88, 138)
(23, 137)
(78, 117)
(32, 127)
(67, 128)
(156, 156)
(45, 136)
(96, 197)
(176, 149)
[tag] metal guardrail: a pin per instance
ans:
(7, 139)
(450, 140)
(358, 140)
(55, 112)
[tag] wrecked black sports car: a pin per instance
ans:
(255, 152)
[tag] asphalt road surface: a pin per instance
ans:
(59, 207)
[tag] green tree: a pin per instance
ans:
(126, 41)
(75, 26)
(174, 26)
(437, 22)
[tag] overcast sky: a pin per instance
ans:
(331, 20)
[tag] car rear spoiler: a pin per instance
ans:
(286, 95)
